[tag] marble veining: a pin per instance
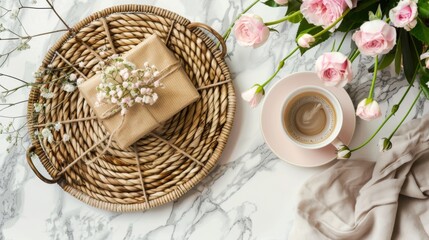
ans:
(251, 194)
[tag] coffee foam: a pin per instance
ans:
(293, 111)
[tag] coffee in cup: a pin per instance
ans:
(312, 117)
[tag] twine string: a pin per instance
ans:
(167, 39)
(107, 31)
(71, 65)
(136, 153)
(213, 85)
(81, 156)
(177, 149)
(109, 143)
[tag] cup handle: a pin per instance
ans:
(337, 143)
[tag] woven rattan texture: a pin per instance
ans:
(113, 182)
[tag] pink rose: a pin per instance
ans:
(404, 15)
(334, 69)
(368, 111)
(253, 96)
(306, 40)
(375, 37)
(325, 12)
(281, 2)
(250, 30)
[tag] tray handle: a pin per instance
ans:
(38, 174)
(212, 31)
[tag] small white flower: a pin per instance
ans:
(47, 135)
(37, 74)
(125, 84)
(139, 100)
(23, 45)
(46, 132)
(147, 75)
(38, 107)
(124, 73)
(154, 97)
(14, 13)
(79, 81)
(68, 87)
(57, 126)
(124, 111)
(72, 77)
(36, 133)
(66, 138)
(81, 64)
(45, 93)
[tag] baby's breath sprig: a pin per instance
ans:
(123, 84)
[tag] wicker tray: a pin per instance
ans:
(162, 166)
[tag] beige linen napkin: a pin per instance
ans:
(382, 199)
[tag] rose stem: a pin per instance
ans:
(393, 111)
(374, 78)
(406, 115)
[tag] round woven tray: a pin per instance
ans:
(161, 167)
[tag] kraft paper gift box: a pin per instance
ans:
(178, 92)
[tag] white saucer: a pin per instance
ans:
(272, 126)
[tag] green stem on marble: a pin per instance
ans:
(406, 115)
(395, 108)
(279, 67)
(344, 38)
(286, 18)
(354, 55)
(374, 78)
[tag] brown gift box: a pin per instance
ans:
(178, 93)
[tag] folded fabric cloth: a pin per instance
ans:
(384, 199)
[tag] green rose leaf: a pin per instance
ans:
(272, 3)
(398, 55)
(357, 16)
(421, 31)
(296, 17)
(411, 50)
(423, 9)
(294, 7)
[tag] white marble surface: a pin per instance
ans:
(251, 194)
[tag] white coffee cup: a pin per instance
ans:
(331, 110)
